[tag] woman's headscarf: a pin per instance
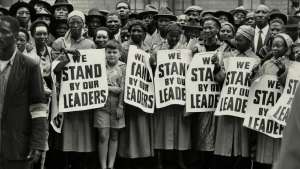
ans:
(67, 37)
(288, 41)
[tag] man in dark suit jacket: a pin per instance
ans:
(262, 32)
(23, 112)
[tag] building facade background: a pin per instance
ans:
(177, 5)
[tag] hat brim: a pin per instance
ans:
(14, 8)
(211, 18)
(69, 6)
(279, 15)
(46, 4)
(141, 14)
(227, 14)
(189, 27)
(38, 15)
(238, 10)
(172, 17)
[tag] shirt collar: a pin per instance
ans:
(264, 29)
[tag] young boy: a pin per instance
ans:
(109, 119)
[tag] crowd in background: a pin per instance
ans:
(121, 135)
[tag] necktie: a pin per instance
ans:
(259, 42)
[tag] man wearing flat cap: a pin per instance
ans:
(62, 8)
(23, 12)
(194, 15)
(262, 29)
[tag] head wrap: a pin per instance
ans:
(288, 41)
(76, 13)
(230, 25)
(247, 31)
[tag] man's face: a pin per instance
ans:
(21, 41)
(7, 37)
(75, 25)
(239, 18)
(113, 23)
(261, 15)
(173, 38)
(162, 23)
(61, 12)
(23, 15)
(182, 20)
(148, 19)
(123, 9)
(194, 16)
(137, 34)
(93, 24)
(210, 29)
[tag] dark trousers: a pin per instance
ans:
(15, 164)
(222, 162)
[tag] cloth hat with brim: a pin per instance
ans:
(207, 13)
(16, 6)
(239, 9)
(246, 31)
(211, 18)
(287, 39)
(165, 12)
(4, 10)
(104, 12)
(43, 12)
(43, 3)
(193, 8)
(94, 12)
(192, 28)
(225, 13)
(133, 16)
(149, 10)
(274, 15)
(66, 3)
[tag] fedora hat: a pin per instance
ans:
(165, 12)
(149, 9)
(66, 3)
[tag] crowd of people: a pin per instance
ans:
(35, 39)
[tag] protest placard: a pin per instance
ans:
(139, 85)
(264, 93)
(169, 77)
(202, 92)
(235, 91)
(84, 82)
(281, 110)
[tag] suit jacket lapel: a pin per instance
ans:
(12, 81)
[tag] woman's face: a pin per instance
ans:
(23, 15)
(279, 47)
(101, 38)
(276, 28)
(173, 38)
(75, 25)
(61, 29)
(21, 41)
(41, 35)
(209, 29)
(226, 33)
(137, 34)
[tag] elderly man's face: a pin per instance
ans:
(75, 25)
(23, 15)
(123, 9)
(239, 18)
(261, 15)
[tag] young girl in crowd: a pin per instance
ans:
(22, 40)
(171, 128)
(232, 146)
(110, 119)
(267, 149)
